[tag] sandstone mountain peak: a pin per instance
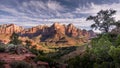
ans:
(70, 24)
(56, 23)
(10, 28)
(54, 34)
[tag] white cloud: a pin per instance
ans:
(40, 6)
(6, 20)
(94, 8)
(54, 6)
(35, 12)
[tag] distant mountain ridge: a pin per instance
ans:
(54, 34)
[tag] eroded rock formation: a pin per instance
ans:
(55, 34)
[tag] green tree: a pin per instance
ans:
(114, 52)
(28, 43)
(14, 39)
(117, 41)
(103, 20)
(101, 47)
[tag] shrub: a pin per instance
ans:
(2, 48)
(11, 48)
(20, 64)
(43, 58)
(2, 64)
(36, 52)
(14, 39)
(17, 49)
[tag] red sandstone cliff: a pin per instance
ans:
(10, 28)
(56, 33)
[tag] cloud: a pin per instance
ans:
(35, 12)
(94, 8)
(53, 5)
(34, 8)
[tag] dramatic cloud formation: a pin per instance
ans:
(35, 12)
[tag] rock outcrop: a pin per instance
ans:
(58, 34)
(10, 28)
(6, 31)
(54, 34)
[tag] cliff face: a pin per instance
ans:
(10, 28)
(54, 34)
(58, 34)
(6, 30)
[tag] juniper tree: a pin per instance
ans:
(103, 20)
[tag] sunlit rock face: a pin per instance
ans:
(10, 28)
(56, 33)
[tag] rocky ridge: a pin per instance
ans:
(55, 34)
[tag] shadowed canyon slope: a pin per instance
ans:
(54, 34)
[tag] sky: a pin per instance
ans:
(29, 13)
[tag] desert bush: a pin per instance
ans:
(2, 48)
(11, 48)
(2, 64)
(36, 52)
(17, 49)
(20, 64)
(14, 39)
(43, 58)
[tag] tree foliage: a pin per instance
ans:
(115, 53)
(102, 54)
(103, 20)
(117, 41)
(105, 48)
(14, 39)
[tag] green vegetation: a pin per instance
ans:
(61, 51)
(104, 50)
(20, 64)
(2, 64)
(36, 52)
(102, 54)
(44, 58)
(2, 48)
(52, 56)
(14, 39)
(103, 20)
